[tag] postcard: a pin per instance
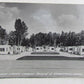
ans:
(40, 40)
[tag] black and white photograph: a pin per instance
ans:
(40, 40)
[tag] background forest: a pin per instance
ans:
(19, 37)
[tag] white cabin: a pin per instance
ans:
(70, 49)
(58, 49)
(18, 49)
(51, 49)
(30, 49)
(39, 49)
(75, 50)
(6, 49)
(45, 49)
(65, 49)
(15, 49)
(23, 49)
(80, 50)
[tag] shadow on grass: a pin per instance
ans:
(50, 58)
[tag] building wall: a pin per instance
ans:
(70, 49)
(6, 49)
(81, 50)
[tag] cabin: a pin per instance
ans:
(58, 49)
(18, 49)
(70, 49)
(15, 49)
(65, 49)
(46, 48)
(52, 49)
(6, 49)
(29, 49)
(75, 49)
(39, 49)
(22, 49)
(80, 50)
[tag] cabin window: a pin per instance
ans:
(44, 47)
(71, 49)
(2, 49)
(18, 48)
(52, 48)
(37, 48)
(82, 50)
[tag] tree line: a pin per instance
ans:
(56, 39)
(18, 37)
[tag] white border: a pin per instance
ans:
(46, 1)
(46, 80)
(43, 81)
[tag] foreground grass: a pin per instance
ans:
(50, 58)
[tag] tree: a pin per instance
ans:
(56, 39)
(49, 39)
(40, 39)
(26, 42)
(3, 36)
(63, 38)
(21, 30)
(12, 38)
(82, 37)
(32, 40)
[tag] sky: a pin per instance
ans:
(43, 17)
